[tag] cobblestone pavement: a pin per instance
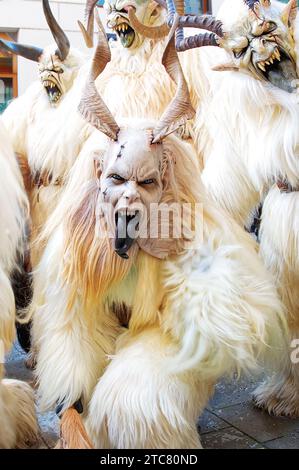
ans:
(229, 422)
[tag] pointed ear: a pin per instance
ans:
(289, 13)
(229, 67)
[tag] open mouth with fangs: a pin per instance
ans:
(125, 33)
(127, 226)
(53, 91)
(279, 69)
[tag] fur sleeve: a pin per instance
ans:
(222, 308)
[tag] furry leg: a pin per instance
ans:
(137, 404)
(71, 346)
(7, 313)
(279, 394)
(18, 423)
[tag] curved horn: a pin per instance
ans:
(199, 40)
(91, 106)
(59, 35)
(88, 30)
(28, 52)
(180, 109)
(207, 22)
(153, 32)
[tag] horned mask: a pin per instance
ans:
(148, 12)
(132, 173)
(260, 43)
(56, 74)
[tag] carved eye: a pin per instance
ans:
(239, 52)
(58, 70)
(117, 178)
(148, 181)
(269, 26)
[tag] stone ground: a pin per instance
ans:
(229, 422)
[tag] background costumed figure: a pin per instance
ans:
(18, 424)
(36, 122)
(250, 136)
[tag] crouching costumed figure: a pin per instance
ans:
(133, 329)
(18, 425)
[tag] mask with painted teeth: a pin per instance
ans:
(262, 44)
(147, 11)
(53, 91)
(125, 33)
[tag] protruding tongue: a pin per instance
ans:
(125, 226)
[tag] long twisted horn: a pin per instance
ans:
(91, 106)
(59, 35)
(153, 32)
(180, 109)
(199, 40)
(88, 29)
(23, 50)
(207, 22)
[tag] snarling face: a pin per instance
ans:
(57, 76)
(130, 182)
(262, 45)
(147, 11)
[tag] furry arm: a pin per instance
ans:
(222, 308)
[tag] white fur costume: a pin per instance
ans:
(134, 82)
(44, 136)
(194, 317)
(17, 413)
(249, 136)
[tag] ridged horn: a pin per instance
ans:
(199, 40)
(207, 22)
(61, 39)
(180, 110)
(23, 50)
(152, 32)
(91, 106)
(88, 29)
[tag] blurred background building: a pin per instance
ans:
(23, 21)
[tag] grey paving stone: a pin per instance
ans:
(209, 422)
(290, 441)
(49, 421)
(49, 440)
(17, 370)
(229, 422)
(256, 423)
(233, 391)
(15, 365)
(15, 354)
(228, 438)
